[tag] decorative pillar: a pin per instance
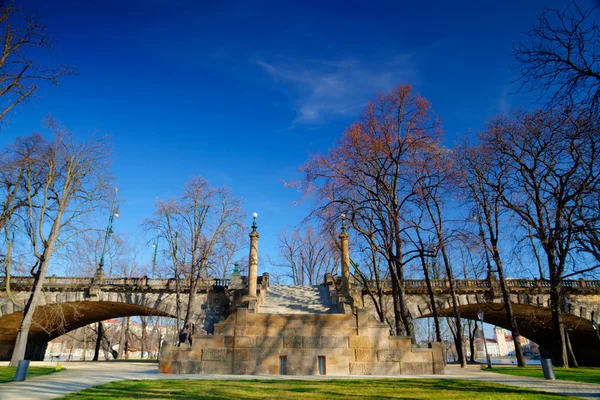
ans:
(253, 259)
(345, 260)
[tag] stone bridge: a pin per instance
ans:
(70, 303)
(530, 301)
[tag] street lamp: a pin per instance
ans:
(595, 326)
(114, 212)
(487, 355)
(343, 217)
(155, 246)
(254, 226)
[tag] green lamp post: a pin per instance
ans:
(114, 213)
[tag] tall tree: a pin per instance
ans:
(367, 174)
(307, 255)
(476, 172)
(544, 167)
(73, 184)
(23, 40)
(196, 225)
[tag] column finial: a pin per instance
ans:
(254, 225)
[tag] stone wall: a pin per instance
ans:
(253, 343)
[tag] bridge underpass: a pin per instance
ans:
(530, 300)
(70, 303)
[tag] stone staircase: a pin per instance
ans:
(297, 300)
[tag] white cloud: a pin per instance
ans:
(329, 89)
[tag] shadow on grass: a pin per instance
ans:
(410, 389)
(8, 373)
(582, 374)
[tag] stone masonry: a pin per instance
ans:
(301, 344)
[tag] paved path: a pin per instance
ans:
(296, 300)
(81, 375)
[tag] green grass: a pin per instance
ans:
(8, 373)
(430, 389)
(582, 374)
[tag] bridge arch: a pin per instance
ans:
(535, 323)
(62, 312)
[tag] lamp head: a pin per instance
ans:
(595, 325)
(480, 314)
(254, 226)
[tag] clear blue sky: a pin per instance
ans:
(242, 92)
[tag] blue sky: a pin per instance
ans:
(242, 92)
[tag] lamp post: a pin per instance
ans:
(155, 246)
(114, 212)
(487, 355)
(595, 326)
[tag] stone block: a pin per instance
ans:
(224, 330)
(214, 354)
(415, 368)
(361, 368)
(336, 342)
(385, 368)
(241, 354)
(439, 368)
(387, 355)
(362, 342)
(366, 355)
(269, 342)
(244, 342)
(294, 342)
(243, 368)
(190, 367)
(215, 367)
(400, 342)
(311, 342)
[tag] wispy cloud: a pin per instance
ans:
(329, 89)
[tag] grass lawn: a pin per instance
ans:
(8, 373)
(582, 374)
(430, 389)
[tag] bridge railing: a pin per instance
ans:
(485, 283)
(26, 282)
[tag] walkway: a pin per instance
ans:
(81, 375)
(296, 300)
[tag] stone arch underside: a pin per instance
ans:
(54, 320)
(531, 310)
(535, 323)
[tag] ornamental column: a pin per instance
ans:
(253, 259)
(345, 289)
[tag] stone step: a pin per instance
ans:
(282, 299)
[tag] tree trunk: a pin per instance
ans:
(99, 337)
(570, 349)
(472, 342)
(559, 348)
(143, 344)
(436, 320)
(122, 338)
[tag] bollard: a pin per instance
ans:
(21, 372)
(548, 368)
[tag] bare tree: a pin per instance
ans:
(368, 175)
(307, 255)
(487, 214)
(561, 58)
(24, 39)
(196, 224)
(544, 168)
(72, 185)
